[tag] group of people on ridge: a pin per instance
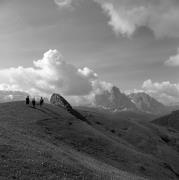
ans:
(34, 101)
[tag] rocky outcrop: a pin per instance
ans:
(58, 100)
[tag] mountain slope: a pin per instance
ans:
(31, 150)
(51, 143)
(146, 103)
(169, 121)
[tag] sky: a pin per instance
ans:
(82, 47)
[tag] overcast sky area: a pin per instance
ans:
(81, 47)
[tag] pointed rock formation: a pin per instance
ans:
(58, 100)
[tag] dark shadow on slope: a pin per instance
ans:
(78, 115)
(167, 166)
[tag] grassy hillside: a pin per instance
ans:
(169, 121)
(157, 146)
(49, 143)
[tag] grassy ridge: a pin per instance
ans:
(27, 150)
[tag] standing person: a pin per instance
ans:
(33, 102)
(41, 101)
(27, 100)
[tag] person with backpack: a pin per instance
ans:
(27, 100)
(33, 102)
(41, 101)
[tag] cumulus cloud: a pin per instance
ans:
(89, 100)
(173, 60)
(165, 92)
(52, 74)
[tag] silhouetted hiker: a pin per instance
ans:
(27, 100)
(33, 102)
(41, 101)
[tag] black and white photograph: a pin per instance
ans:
(89, 89)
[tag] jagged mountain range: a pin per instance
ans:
(115, 100)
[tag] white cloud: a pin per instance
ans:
(63, 3)
(89, 100)
(127, 92)
(118, 20)
(173, 60)
(161, 16)
(164, 92)
(100, 86)
(88, 73)
(52, 74)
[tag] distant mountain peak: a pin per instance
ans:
(115, 90)
(114, 100)
(146, 103)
